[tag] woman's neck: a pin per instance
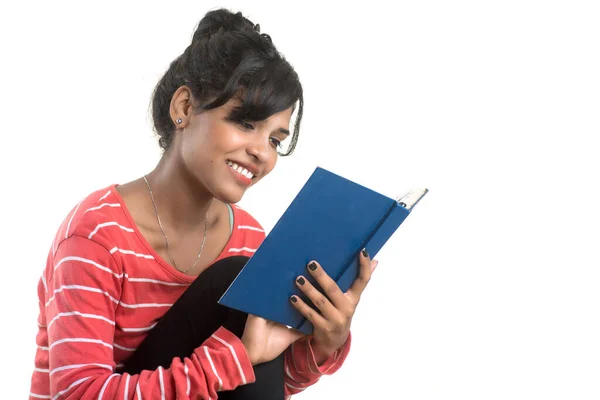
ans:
(178, 196)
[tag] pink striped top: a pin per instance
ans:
(104, 288)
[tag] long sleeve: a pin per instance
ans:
(82, 288)
(301, 368)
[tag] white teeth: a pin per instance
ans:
(246, 173)
(241, 170)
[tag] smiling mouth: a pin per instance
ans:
(240, 170)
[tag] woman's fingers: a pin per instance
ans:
(309, 313)
(364, 275)
(373, 265)
(332, 303)
(330, 288)
(320, 301)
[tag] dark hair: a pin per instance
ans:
(228, 58)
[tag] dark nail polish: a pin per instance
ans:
(364, 252)
(301, 281)
(312, 266)
(293, 299)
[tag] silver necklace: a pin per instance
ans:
(165, 235)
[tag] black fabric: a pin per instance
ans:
(192, 319)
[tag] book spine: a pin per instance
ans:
(389, 223)
(373, 244)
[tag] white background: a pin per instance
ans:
(490, 290)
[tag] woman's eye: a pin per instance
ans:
(246, 125)
(276, 142)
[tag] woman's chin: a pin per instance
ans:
(229, 196)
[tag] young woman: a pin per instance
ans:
(128, 299)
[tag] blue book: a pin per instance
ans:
(330, 220)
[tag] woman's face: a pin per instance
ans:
(228, 157)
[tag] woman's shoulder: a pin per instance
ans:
(247, 234)
(99, 209)
(244, 220)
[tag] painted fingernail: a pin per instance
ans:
(293, 299)
(364, 252)
(312, 266)
(301, 281)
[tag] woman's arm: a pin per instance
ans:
(83, 291)
(302, 366)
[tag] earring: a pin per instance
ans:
(179, 120)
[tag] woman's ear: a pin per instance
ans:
(181, 107)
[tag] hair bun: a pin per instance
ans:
(225, 20)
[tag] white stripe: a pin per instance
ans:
(41, 326)
(96, 290)
(250, 228)
(145, 305)
(294, 387)
(40, 396)
(137, 390)
(103, 197)
(45, 285)
(71, 219)
(187, 379)
(294, 359)
(68, 314)
(124, 348)
(287, 372)
(232, 250)
(126, 392)
(70, 387)
(102, 205)
(331, 366)
(84, 288)
(74, 366)
(235, 357)
(44, 348)
(81, 340)
(162, 383)
(105, 224)
(138, 329)
(155, 281)
(87, 261)
(105, 385)
(309, 365)
(335, 358)
(44, 371)
(212, 365)
(119, 366)
(115, 249)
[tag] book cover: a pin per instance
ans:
(330, 220)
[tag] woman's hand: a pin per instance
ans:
(265, 340)
(332, 324)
